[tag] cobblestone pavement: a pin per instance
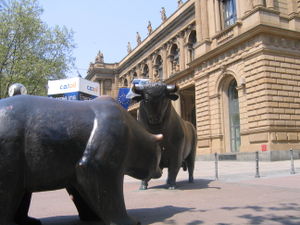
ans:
(236, 198)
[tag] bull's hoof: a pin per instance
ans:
(143, 187)
(191, 180)
(28, 221)
(88, 217)
(127, 221)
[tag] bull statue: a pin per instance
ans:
(86, 147)
(157, 115)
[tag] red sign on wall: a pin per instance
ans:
(264, 148)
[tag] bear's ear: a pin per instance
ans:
(173, 97)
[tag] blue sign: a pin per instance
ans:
(125, 102)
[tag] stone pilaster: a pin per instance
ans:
(198, 20)
(150, 66)
(182, 60)
(204, 19)
(258, 3)
(165, 62)
(270, 4)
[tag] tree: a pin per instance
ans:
(31, 53)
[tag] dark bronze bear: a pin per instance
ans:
(86, 147)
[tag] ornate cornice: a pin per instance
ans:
(162, 35)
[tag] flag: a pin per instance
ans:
(125, 102)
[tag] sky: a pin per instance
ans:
(104, 25)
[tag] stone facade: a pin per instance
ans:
(238, 72)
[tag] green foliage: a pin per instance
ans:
(31, 53)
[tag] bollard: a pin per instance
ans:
(257, 165)
(292, 162)
(216, 166)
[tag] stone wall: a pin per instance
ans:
(266, 69)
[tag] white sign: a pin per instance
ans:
(75, 84)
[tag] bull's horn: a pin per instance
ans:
(158, 137)
(138, 89)
(172, 88)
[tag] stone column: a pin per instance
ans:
(101, 87)
(182, 60)
(165, 62)
(292, 7)
(245, 6)
(116, 87)
(170, 65)
(138, 72)
(270, 4)
(198, 20)
(204, 19)
(150, 66)
(257, 3)
(217, 16)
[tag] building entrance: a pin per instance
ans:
(188, 110)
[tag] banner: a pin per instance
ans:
(125, 102)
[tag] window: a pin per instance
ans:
(146, 71)
(174, 58)
(134, 76)
(234, 116)
(191, 42)
(159, 67)
(228, 8)
(125, 83)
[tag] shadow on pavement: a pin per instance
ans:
(282, 214)
(160, 214)
(144, 215)
(185, 185)
(66, 220)
(272, 214)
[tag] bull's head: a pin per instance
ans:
(145, 159)
(155, 101)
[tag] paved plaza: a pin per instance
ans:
(236, 198)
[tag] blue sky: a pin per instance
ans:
(105, 25)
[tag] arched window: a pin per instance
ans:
(192, 40)
(234, 116)
(158, 67)
(174, 58)
(146, 71)
(125, 83)
(134, 76)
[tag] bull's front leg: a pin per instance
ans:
(103, 191)
(144, 184)
(173, 170)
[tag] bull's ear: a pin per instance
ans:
(173, 97)
(137, 89)
(137, 98)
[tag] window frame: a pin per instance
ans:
(228, 12)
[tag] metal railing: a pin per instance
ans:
(257, 164)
